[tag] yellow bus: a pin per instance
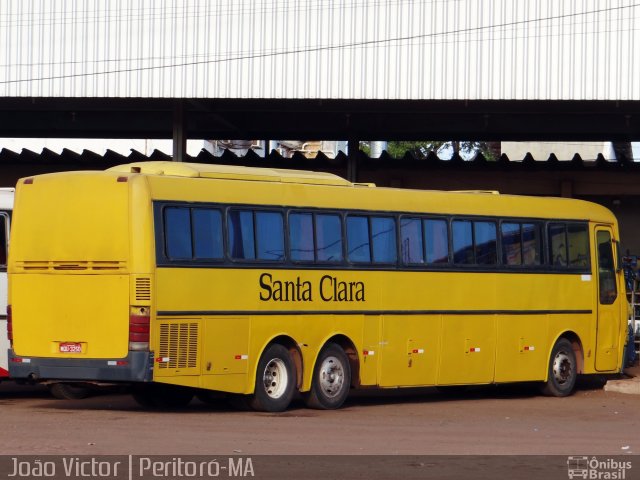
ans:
(185, 279)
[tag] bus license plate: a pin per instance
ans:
(70, 347)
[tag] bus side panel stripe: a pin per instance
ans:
(170, 313)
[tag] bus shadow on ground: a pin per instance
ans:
(10, 390)
(122, 401)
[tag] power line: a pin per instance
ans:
(154, 13)
(443, 42)
(325, 48)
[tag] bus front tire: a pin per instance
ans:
(275, 381)
(562, 373)
(331, 379)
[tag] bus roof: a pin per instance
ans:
(231, 172)
(477, 202)
(163, 177)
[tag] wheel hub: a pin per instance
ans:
(331, 377)
(275, 378)
(562, 367)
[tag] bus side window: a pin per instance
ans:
(177, 230)
(578, 240)
(358, 246)
(462, 242)
(521, 244)
(241, 238)
(207, 233)
(511, 243)
(328, 237)
(301, 237)
(531, 244)
(269, 235)
(436, 239)
(486, 243)
(558, 244)
(383, 238)
(606, 269)
(411, 240)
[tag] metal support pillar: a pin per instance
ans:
(179, 133)
(353, 147)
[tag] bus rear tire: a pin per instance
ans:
(331, 379)
(68, 391)
(562, 373)
(275, 381)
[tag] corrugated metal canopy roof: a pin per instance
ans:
(92, 160)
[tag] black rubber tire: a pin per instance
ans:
(69, 391)
(270, 393)
(158, 395)
(562, 372)
(331, 380)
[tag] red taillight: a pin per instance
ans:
(139, 328)
(9, 325)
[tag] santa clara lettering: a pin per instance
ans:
(284, 291)
(334, 290)
(329, 289)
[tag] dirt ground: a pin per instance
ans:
(511, 420)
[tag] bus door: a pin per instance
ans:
(608, 322)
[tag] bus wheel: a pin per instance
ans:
(275, 381)
(68, 391)
(562, 372)
(331, 379)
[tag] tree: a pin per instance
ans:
(421, 149)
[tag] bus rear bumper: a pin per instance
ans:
(135, 367)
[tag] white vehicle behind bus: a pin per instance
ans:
(6, 207)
